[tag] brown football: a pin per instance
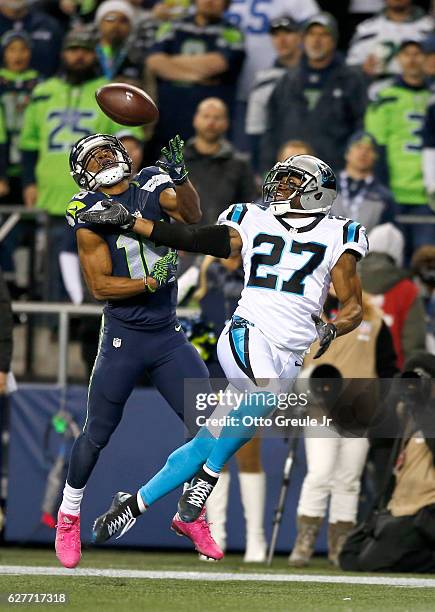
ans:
(126, 104)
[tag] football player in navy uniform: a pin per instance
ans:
(139, 330)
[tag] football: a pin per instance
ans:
(127, 104)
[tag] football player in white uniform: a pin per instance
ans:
(292, 250)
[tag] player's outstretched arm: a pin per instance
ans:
(218, 240)
(347, 286)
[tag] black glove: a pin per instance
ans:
(326, 333)
(173, 161)
(113, 213)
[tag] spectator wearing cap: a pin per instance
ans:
(395, 118)
(391, 290)
(61, 110)
(287, 42)
(321, 101)
(377, 40)
(194, 58)
(114, 20)
(254, 21)
(361, 196)
(17, 81)
(44, 32)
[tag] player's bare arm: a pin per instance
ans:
(347, 286)
(97, 268)
(182, 204)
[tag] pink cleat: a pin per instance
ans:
(68, 547)
(199, 532)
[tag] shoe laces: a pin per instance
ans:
(199, 492)
(125, 520)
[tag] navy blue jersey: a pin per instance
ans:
(132, 255)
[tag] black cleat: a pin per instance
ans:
(194, 497)
(119, 517)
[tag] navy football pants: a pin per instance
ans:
(123, 355)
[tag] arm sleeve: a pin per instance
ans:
(385, 353)
(209, 240)
(6, 325)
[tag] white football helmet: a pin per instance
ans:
(109, 174)
(318, 188)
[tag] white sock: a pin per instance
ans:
(140, 502)
(72, 498)
(210, 472)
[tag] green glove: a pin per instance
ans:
(173, 161)
(165, 268)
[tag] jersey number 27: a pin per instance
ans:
(296, 283)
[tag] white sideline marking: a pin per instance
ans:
(19, 570)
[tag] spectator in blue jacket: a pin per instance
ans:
(194, 58)
(44, 32)
(361, 196)
(321, 102)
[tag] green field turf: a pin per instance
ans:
(131, 594)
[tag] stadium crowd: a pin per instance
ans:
(247, 84)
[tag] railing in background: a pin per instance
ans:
(65, 312)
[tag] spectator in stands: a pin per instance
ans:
(321, 102)
(395, 119)
(17, 81)
(429, 153)
(114, 20)
(255, 22)
(423, 266)
(361, 196)
(377, 40)
(287, 42)
(75, 12)
(44, 32)
(220, 174)
(61, 109)
(194, 58)
(294, 147)
(392, 291)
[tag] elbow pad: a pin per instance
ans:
(209, 240)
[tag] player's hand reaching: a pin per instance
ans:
(164, 269)
(326, 333)
(173, 161)
(113, 213)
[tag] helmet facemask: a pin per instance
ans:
(316, 192)
(109, 173)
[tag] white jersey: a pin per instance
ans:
(382, 37)
(288, 269)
